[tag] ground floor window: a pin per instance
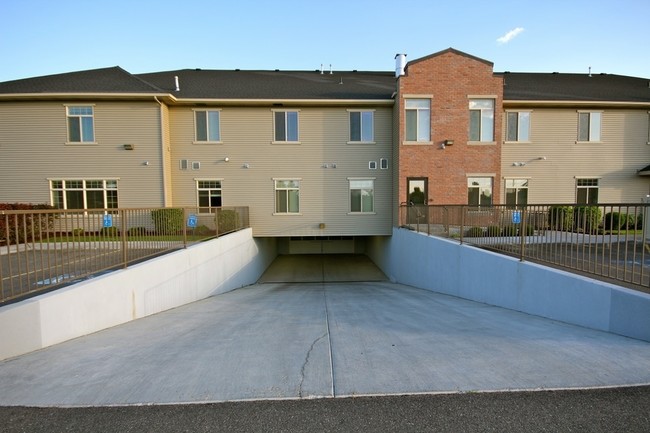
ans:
(587, 191)
(287, 196)
(362, 195)
(84, 193)
(208, 195)
(479, 191)
(516, 192)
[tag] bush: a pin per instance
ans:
(509, 231)
(586, 219)
(530, 230)
(137, 231)
(30, 226)
(78, 232)
(109, 232)
(560, 218)
(168, 221)
(494, 231)
(227, 220)
(618, 221)
(474, 232)
(639, 222)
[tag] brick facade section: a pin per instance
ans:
(450, 77)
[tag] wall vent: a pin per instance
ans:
(372, 165)
(383, 163)
(184, 164)
(196, 165)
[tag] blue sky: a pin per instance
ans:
(42, 37)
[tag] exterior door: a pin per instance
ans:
(417, 200)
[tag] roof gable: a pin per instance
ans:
(449, 51)
(105, 80)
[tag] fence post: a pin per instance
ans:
(462, 223)
(184, 223)
(522, 232)
(123, 225)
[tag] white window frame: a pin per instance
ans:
(365, 117)
(519, 126)
(383, 163)
(286, 122)
(79, 118)
(199, 188)
(588, 187)
(287, 189)
(67, 185)
(594, 133)
(356, 184)
(486, 118)
(209, 126)
(482, 177)
(422, 114)
(517, 188)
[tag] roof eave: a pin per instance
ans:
(79, 96)
(574, 103)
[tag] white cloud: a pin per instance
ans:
(510, 35)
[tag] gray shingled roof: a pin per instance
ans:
(222, 84)
(105, 80)
(574, 87)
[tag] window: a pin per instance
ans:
(362, 126)
(287, 196)
(362, 192)
(479, 191)
(586, 191)
(80, 124)
(589, 126)
(84, 194)
(208, 195)
(418, 120)
(383, 163)
(516, 192)
(207, 126)
(286, 126)
(481, 119)
(518, 128)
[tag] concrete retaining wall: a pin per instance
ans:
(444, 266)
(166, 282)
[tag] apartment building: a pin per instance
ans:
(324, 154)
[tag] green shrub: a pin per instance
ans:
(639, 222)
(202, 231)
(560, 218)
(168, 221)
(530, 230)
(586, 219)
(136, 231)
(227, 220)
(509, 231)
(78, 232)
(493, 231)
(474, 232)
(618, 221)
(109, 232)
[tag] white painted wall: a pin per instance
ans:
(445, 266)
(166, 282)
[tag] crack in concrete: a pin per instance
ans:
(304, 365)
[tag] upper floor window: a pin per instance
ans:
(362, 126)
(518, 126)
(207, 125)
(418, 119)
(517, 192)
(285, 126)
(208, 195)
(481, 120)
(287, 196)
(84, 194)
(80, 124)
(362, 195)
(589, 126)
(479, 191)
(587, 191)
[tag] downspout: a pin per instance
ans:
(162, 154)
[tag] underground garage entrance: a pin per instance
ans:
(316, 268)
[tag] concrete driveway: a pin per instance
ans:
(308, 340)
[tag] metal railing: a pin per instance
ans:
(610, 241)
(45, 249)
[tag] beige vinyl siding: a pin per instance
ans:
(247, 135)
(34, 137)
(614, 160)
